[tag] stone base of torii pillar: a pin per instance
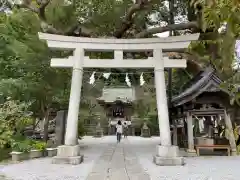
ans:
(168, 156)
(68, 155)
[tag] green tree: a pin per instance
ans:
(24, 62)
(30, 77)
(14, 116)
(221, 14)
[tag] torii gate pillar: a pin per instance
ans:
(167, 154)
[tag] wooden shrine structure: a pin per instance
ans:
(201, 108)
(118, 105)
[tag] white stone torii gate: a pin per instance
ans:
(70, 152)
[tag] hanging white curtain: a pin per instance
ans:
(201, 124)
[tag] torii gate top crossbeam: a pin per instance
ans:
(118, 46)
(143, 44)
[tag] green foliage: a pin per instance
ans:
(81, 129)
(24, 65)
(5, 155)
(38, 145)
(142, 108)
(13, 118)
(215, 14)
(153, 123)
(146, 105)
(90, 108)
(62, 16)
(235, 132)
(25, 73)
(104, 16)
(5, 135)
(15, 114)
(220, 49)
(21, 146)
(179, 78)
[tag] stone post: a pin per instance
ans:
(229, 129)
(191, 149)
(60, 127)
(175, 134)
(166, 153)
(70, 152)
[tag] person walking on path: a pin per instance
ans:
(125, 130)
(119, 128)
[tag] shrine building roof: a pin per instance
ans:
(205, 81)
(112, 94)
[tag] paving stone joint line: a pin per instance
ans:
(125, 163)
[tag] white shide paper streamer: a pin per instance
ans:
(127, 80)
(92, 78)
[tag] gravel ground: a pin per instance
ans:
(196, 168)
(139, 153)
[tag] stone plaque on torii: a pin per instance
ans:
(166, 154)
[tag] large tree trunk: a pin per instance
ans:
(36, 123)
(229, 129)
(46, 124)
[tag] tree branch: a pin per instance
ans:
(171, 27)
(78, 30)
(127, 21)
(27, 5)
(194, 64)
(40, 11)
(75, 30)
(42, 8)
(47, 28)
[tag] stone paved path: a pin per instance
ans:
(118, 162)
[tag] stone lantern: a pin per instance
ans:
(98, 130)
(145, 130)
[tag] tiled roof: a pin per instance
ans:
(205, 81)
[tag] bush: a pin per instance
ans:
(5, 135)
(81, 129)
(5, 154)
(13, 118)
(22, 146)
(38, 145)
